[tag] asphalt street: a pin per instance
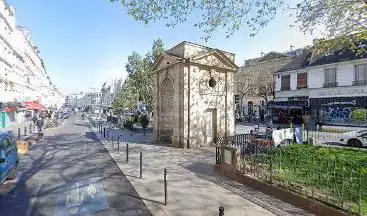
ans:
(70, 173)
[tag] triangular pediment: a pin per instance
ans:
(165, 60)
(215, 59)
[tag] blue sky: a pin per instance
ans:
(86, 42)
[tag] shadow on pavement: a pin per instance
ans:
(60, 161)
(149, 200)
(206, 171)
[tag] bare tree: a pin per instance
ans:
(265, 84)
(244, 85)
(257, 78)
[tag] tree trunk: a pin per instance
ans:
(241, 103)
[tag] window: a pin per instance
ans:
(7, 145)
(360, 74)
(250, 108)
(301, 80)
(286, 83)
(11, 86)
(330, 77)
(236, 99)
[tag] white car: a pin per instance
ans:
(355, 138)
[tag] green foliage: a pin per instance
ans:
(139, 84)
(128, 124)
(144, 121)
(359, 114)
(230, 15)
(337, 18)
(337, 172)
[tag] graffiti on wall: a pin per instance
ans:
(337, 114)
(345, 114)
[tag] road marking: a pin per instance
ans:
(33, 201)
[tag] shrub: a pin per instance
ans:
(128, 124)
(144, 121)
(359, 114)
(135, 119)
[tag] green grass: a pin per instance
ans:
(346, 154)
(337, 172)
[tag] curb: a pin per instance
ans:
(294, 199)
(98, 137)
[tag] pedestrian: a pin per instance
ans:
(34, 118)
(39, 125)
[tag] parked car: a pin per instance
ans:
(8, 156)
(355, 138)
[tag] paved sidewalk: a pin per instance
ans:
(67, 173)
(26, 124)
(193, 186)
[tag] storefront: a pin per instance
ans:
(349, 111)
(286, 112)
(9, 114)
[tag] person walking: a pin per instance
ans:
(34, 119)
(39, 125)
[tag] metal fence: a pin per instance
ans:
(337, 182)
(319, 138)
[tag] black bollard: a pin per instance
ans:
(221, 211)
(112, 140)
(118, 147)
(104, 132)
(141, 165)
(18, 133)
(25, 131)
(127, 153)
(165, 186)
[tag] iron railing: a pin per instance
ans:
(359, 82)
(337, 182)
(330, 84)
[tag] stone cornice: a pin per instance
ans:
(164, 68)
(212, 67)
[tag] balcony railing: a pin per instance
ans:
(330, 85)
(285, 88)
(359, 82)
(301, 87)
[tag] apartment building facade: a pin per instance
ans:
(332, 89)
(23, 76)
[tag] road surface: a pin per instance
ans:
(70, 173)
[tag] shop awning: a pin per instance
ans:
(289, 104)
(34, 106)
(10, 109)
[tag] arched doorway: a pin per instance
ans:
(166, 111)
